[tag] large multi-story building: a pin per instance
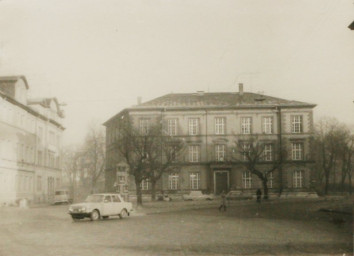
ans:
(209, 124)
(30, 143)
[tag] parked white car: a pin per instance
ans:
(198, 195)
(62, 196)
(98, 206)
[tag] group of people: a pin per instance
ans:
(223, 199)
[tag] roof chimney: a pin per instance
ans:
(240, 89)
(139, 100)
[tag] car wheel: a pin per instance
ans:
(123, 214)
(75, 219)
(95, 215)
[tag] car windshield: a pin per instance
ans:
(94, 199)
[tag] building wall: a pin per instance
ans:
(207, 139)
(29, 151)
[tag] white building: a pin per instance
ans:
(30, 143)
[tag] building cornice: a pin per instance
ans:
(30, 110)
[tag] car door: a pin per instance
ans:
(107, 206)
(117, 204)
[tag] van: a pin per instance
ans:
(62, 196)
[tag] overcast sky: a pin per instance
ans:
(99, 56)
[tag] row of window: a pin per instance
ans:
(25, 153)
(220, 125)
(298, 179)
(194, 180)
(173, 182)
(297, 152)
(25, 183)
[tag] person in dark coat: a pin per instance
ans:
(259, 195)
(259, 198)
(223, 201)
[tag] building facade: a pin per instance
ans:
(30, 144)
(210, 124)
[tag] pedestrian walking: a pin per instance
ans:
(259, 195)
(259, 198)
(223, 201)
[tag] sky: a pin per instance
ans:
(99, 56)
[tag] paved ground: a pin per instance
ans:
(182, 228)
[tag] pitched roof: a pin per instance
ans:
(212, 100)
(220, 99)
(13, 79)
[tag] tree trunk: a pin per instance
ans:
(350, 183)
(139, 197)
(153, 190)
(344, 174)
(265, 188)
(326, 182)
(280, 179)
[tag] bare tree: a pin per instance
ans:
(346, 151)
(93, 156)
(71, 169)
(330, 141)
(132, 145)
(148, 152)
(258, 161)
(162, 151)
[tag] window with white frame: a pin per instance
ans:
(297, 150)
(247, 179)
(267, 125)
(270, 178)
(194, 179)
(220, 125)
(298, 179)
(296, 124)
(173, 179)
(144, 125)
(220, 152)
(268, 152)
(144, 185)
(193, 126)
(246, 150)
(246, 125)
(172, 127)
(193, 151)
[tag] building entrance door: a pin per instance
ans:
(221, 181)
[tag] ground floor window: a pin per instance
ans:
(298, 179)
(194, 178)
(144, 185)
(173, 181)
(247, 179)
(270, 180)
